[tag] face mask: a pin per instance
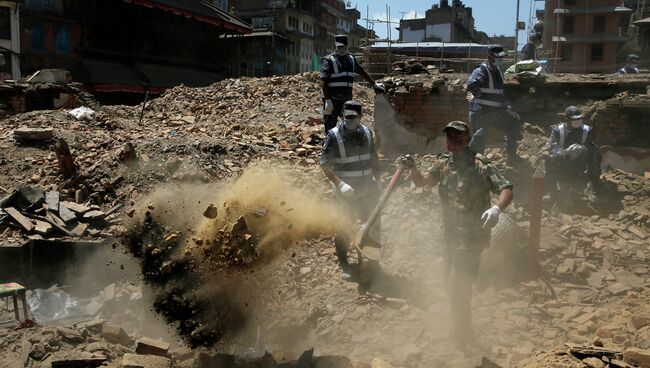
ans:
(341, 50)
(499, 63)
(351, 123)
(576, 123)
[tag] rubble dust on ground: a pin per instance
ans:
(206, 261)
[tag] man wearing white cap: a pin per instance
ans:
(337, 74)
(349, 160)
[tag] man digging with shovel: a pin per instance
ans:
(465, 180)
(349, 160)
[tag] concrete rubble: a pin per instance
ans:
(592, 294)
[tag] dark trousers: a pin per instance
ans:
(358, 207)
(563, 171)
(464, 264)
(329, 121)
(490, 117)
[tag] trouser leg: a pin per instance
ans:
(477, 122)
(341, 246)
(512, 128)
(464, 267)
(330, 120)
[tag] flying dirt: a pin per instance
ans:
(194, 239)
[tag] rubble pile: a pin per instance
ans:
(38, 214)
(210, 277)
(98, 343)
(410, 66)
(401, 84)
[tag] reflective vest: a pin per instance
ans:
(352, 161)
(492, 95)
(343, 76)
(563, 133)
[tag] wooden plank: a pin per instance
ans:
(65, 213)
(76, 207)
(50, 218)
(80, 229)
(25, 222)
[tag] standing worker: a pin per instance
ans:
(465, 180)
(529, 51)
(632, 66)
(349, 160)
(488, 107)
(573, 153)
(337, 74)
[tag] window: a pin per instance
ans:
(63, 40)
(597, 50)
(293, 22)
(37, 37)
(40, 4)
(5, 23)
(600, 23)
(568, 25)
(566, 52)
(221, 4)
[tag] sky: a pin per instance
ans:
(494, 17)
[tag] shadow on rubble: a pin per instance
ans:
(391, 288)
(607, 200)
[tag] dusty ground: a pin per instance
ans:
(595, 262)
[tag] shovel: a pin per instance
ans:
(365, 246)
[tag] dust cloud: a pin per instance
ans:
(199, 243)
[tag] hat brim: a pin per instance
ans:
(500, 54)
(456, 128)
(339, 44)
(350, 113)
(576, 117)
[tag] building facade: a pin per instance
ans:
(584, 36)
(127, 46)
(10, 39)
(308, 25)
(442, 23)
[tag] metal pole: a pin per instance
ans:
(517, 32)
(534, 229)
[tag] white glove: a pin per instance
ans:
(344, 188)
(575, 150)
(379, 87)
(329, 107)
(491, 217)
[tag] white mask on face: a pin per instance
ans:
(351, 123)
(576, 123)
(341, 50)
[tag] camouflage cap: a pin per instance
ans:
(458, 125)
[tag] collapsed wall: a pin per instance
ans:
(423, 104)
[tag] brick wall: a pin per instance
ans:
(621, 121)
(420, 106)
(425, 108)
